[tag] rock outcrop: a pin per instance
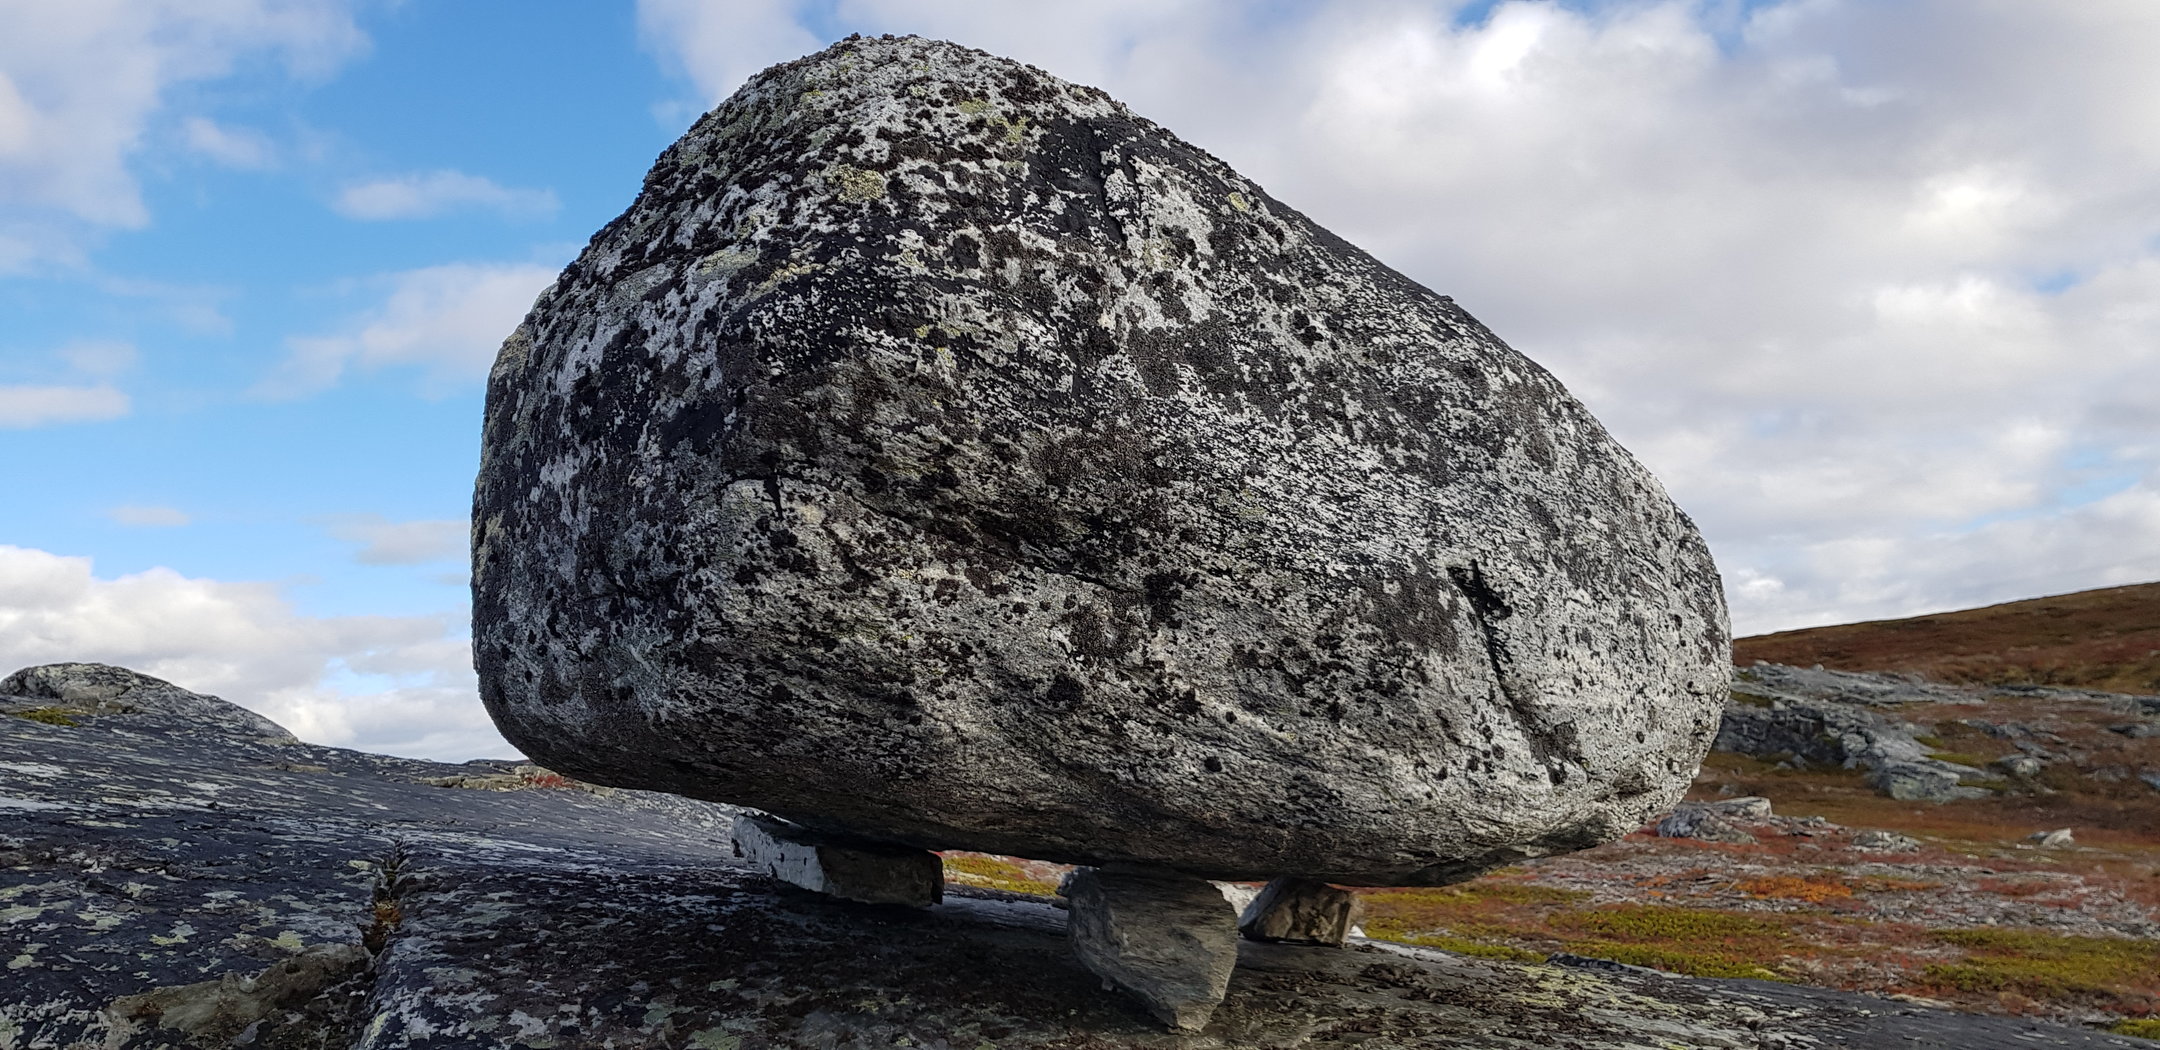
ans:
(168, 880)
(938, 452)
(85, 688)
(1833, 718)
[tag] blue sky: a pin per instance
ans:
(236, 260)
(1874, 287)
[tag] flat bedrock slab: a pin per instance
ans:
(1301, 911)
(939, 452)
(839, 866)
(1169, 941)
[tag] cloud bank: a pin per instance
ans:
(396, 684)
(447, 321)
(386, 542)
(434, 193)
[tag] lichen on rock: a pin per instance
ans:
(938, 452)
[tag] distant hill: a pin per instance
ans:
(2104, 639)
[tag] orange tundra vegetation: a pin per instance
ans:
(2106, 639)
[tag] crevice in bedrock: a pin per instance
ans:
(320, 996)
(1488, 609)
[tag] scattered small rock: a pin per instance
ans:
(851, 869)
(1168, 940)
(2020, 765)
(1877, 841)
(1714, 821)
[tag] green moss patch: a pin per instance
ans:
(1676, 960)
(2047, 965)
(1640, 922)
(52, 716)
(995, 873)
(2141, 1027)
(1522, 922)
(1448, 943)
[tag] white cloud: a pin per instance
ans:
(233, 147)
(446, 320)
(26, 406)
(149, 516)
(386, 542)
(395, 684)
(718, 46)
(81, 82)
(1807, 258)
(99, 357)
(1862, 576)
(433, 193)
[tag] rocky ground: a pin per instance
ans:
(168, 878)
(1795, 862)
(1946, 898)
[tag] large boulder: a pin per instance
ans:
(938, 452)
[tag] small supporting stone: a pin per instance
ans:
(1301, 911)
(1169, 940)
(836, 865)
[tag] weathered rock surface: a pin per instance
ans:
(231, 1010)
(940, 452)
(851, 869)
(146, 853)
(1169, 941)
(1300, 911)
